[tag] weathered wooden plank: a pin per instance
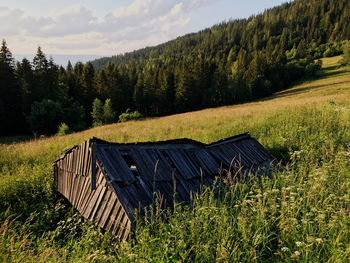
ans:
(108, 210)
(104, 202)
(83, 193)
(92, 202)
(93, 166)
(118, 222)
(113, 216)
(111, 167)
(117, 163)
(143, 169)
(97, 205)
(179, 163)
(87, 198)
(122, 227)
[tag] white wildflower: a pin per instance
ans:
(284, 249)
(297, 253)
(319, 240)
(299, 244)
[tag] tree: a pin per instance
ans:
(45, 116)
(109, 115)
(11, 117)
(97, 113)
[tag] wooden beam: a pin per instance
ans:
(93, 168)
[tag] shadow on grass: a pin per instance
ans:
(301, 90)
(325, 73)
(281, 153)
(15, 139)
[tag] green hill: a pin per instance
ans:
(300, 214)
(230, 63)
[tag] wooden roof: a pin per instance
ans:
(134, 172)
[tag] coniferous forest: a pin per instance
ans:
(232, 62)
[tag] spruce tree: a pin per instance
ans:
(97, 113)
(109, 115)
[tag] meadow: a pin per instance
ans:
(300, 214)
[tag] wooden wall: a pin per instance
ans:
(100, 205)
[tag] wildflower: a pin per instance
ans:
(319, 240)
(310, 239)
(284, 249)
(295, 255)
(299, 244)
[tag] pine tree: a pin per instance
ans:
(97, 113)
(109, 115)
(11, 117)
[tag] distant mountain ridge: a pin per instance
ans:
(320, 21)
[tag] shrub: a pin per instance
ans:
(126, 116)
(63, 129)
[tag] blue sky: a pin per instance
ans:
(109, 27)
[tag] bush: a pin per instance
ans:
(127, 116)
(63, 129)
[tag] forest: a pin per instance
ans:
(229, 63)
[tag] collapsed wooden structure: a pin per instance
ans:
(106, 181)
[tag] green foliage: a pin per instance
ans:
(74, 115)
(97, 113)
(108, 113)
(102, 113)
(63, 129)
(45, 116)
(128, 115)
(270, 50)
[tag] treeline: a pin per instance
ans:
(232, 62)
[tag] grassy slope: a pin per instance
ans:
(303, 213)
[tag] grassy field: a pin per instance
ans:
(302, 214)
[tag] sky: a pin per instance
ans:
(110, 27)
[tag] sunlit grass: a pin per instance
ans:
(301, 214)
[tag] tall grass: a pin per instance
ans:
(301, 213)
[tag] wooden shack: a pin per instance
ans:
(106, 182)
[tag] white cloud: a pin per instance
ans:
(76, 29)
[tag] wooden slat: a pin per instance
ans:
(104, 203)
(117, 211)
(108, 210)
(98, 203)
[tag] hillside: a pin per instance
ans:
(301, 213)
(230, 63)
(315, 22)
